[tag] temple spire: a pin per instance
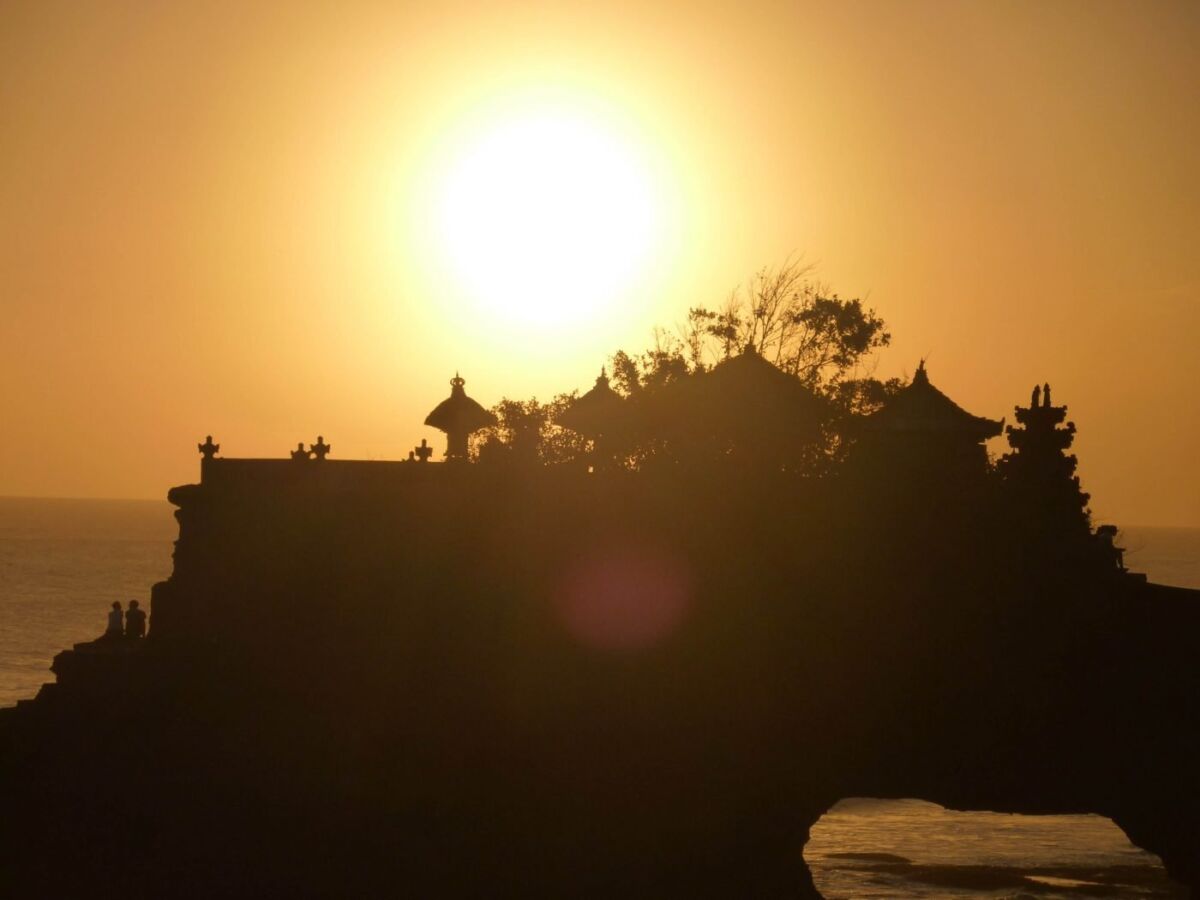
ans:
(1039, 472)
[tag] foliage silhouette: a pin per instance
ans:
(824, 342)
(790, 320)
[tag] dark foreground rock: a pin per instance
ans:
(363, 682)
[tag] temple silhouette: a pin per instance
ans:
(643, 670)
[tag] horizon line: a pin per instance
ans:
(163, 499)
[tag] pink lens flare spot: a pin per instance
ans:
(625, 597)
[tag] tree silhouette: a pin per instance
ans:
(526, 432)
(792, 321)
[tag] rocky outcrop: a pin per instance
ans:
(365, 681)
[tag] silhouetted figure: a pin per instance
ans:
(1036, 400)
(423, 452)
(320, 449)
(115, 623)
(1113, 556)
(300, 452)
(1046, 394)
(135, 621)
(208, 449)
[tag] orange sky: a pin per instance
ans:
(211, 218)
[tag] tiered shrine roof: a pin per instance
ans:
(922, 408)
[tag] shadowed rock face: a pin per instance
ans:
(372, 680)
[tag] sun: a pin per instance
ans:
(547, 217)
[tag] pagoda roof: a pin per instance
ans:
(458, 412)
(922, 408)
(741, 394)
(594, 412)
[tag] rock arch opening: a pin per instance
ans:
(870, 848)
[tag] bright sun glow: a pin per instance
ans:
(547, 218)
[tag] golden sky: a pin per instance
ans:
(224, 217)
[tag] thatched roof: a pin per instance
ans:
(458, 412)
(743, 397)
(596, 412)
(922, 408)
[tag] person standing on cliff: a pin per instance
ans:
(114, 629)
(135, 621)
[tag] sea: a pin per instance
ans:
(63, 563)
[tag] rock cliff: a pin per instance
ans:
(372, 679)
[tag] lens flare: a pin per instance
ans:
(625, 598)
